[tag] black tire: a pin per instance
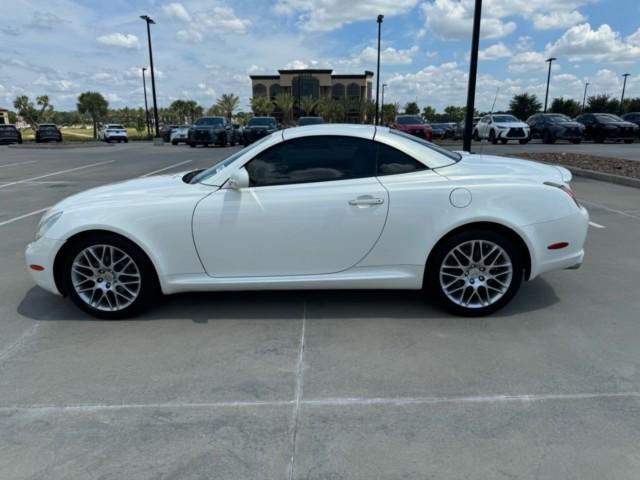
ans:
(629, 140)
(149, 288)
(476, 136)
(174, 142)
(492, 137)
(503, 141)
(576, 142)
(438, 256)
(547, 137)
(192, 145)
(523, 141)
(599, 138)
(126, 140)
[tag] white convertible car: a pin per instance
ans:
(318, 207)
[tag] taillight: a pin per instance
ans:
(566, 189)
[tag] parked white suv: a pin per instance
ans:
(502, 127)
(113, 131)
(180, 134)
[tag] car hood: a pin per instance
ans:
(511, 124)
(492, 167)
(414, 125)
(621, 124)
(259, 127)
(567, 124)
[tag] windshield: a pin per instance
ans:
(504, 118)
(203, 176)
(442, 151)
(210, 121)
(607, 117)
(440, 125)
(116, 126)
(558, 118)
(262, 121)
(309, 120)
(412, 120)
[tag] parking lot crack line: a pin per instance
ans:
(299, 391)
(18, 343)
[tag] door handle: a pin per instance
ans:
(366, 201)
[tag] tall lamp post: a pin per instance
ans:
(624, 86)
(473, 71)
(380, 18)
(149, 22)
(146, 105)
(546, 95)
(584, 98)
(382, 104)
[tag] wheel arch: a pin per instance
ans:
(63, 250)
(484, 225)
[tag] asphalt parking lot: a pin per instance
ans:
(315, 385)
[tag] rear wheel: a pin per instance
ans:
(523, 141)
(475, 273)
(108, 276)
(476, 136)
(576, 141)
(492, 137)
(503, 141)
(547, 137)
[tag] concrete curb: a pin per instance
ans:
(605, 177)
(59, 146)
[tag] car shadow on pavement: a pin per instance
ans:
(40, 305)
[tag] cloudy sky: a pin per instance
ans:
(207, 47)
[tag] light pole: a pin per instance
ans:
(546, 96)
(473, 71)
(584, 98)
(380, 18)
(624, 86)
(149, 22)
(382, 104)
(146, 106)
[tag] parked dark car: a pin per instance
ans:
(48, 132)
(302, 121)
(413, 125)
(9, 134)
(259, 127)
(237, 134)
(554, 126)
(210, 130)
(606, 126)
(459, 130)
(633, 117)
(442, 130)
(165, 132)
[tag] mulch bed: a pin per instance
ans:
(614, 166)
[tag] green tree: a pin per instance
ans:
(308, 104)
(215, 111)
(631, 105)
(93, 105)
(27, 110)
(602, 104)
(412, 108)
(429, 113)
(228, 103)
(389, 112)
(370, 111)
(453, 113)
(262, 106)
(524, 105)
(569, 107)
(284, 103)
(332, 110)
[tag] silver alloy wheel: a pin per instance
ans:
(476, 274)
(106, 278)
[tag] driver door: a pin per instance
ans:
(313, 206)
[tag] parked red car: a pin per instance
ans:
(413, 125)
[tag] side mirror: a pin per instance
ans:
(239, 179)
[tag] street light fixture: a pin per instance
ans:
(379, 20)
(382, 104)
(149, 22)
(584, 98)
(473, 71)
(546, 96)
(146, 105)
(624, 86)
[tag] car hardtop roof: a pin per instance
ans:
(339, 129)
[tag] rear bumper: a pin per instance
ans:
(42, 252)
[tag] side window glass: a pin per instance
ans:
(313, 159)
(392, 161)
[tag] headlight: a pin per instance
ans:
(501, 127)
(46, 223)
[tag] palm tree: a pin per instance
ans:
(43, 101)
(332, 110)
(94, 105)
(308, 104)
(228, 102)
(261, 106)
(284, 102)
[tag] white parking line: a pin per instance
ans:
(26, 215)
(60, 172)
(596, 225)
(612, 210)
(165, 168)
(18, 163)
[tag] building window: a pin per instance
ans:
(337, 91)
(259, 90)
(353, 91)
(306, 85)
(274, 90)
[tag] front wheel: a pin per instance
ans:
(108, 276)
(523, 141)
(492, 137)
(576, 142)
(475, 273)
(629, 140)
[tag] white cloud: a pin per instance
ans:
(527, 62)
(544, 21)
(524, 43)
(45, 20)
(296, 65)
(602, 45)
(495, 52)
(129, 42)
(190, 36)
(388, 56)
(328, 15)
(223, 19)
(219, 20)
(60, 85)
(177, 11)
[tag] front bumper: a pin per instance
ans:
(513, 134)
(43, 252)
